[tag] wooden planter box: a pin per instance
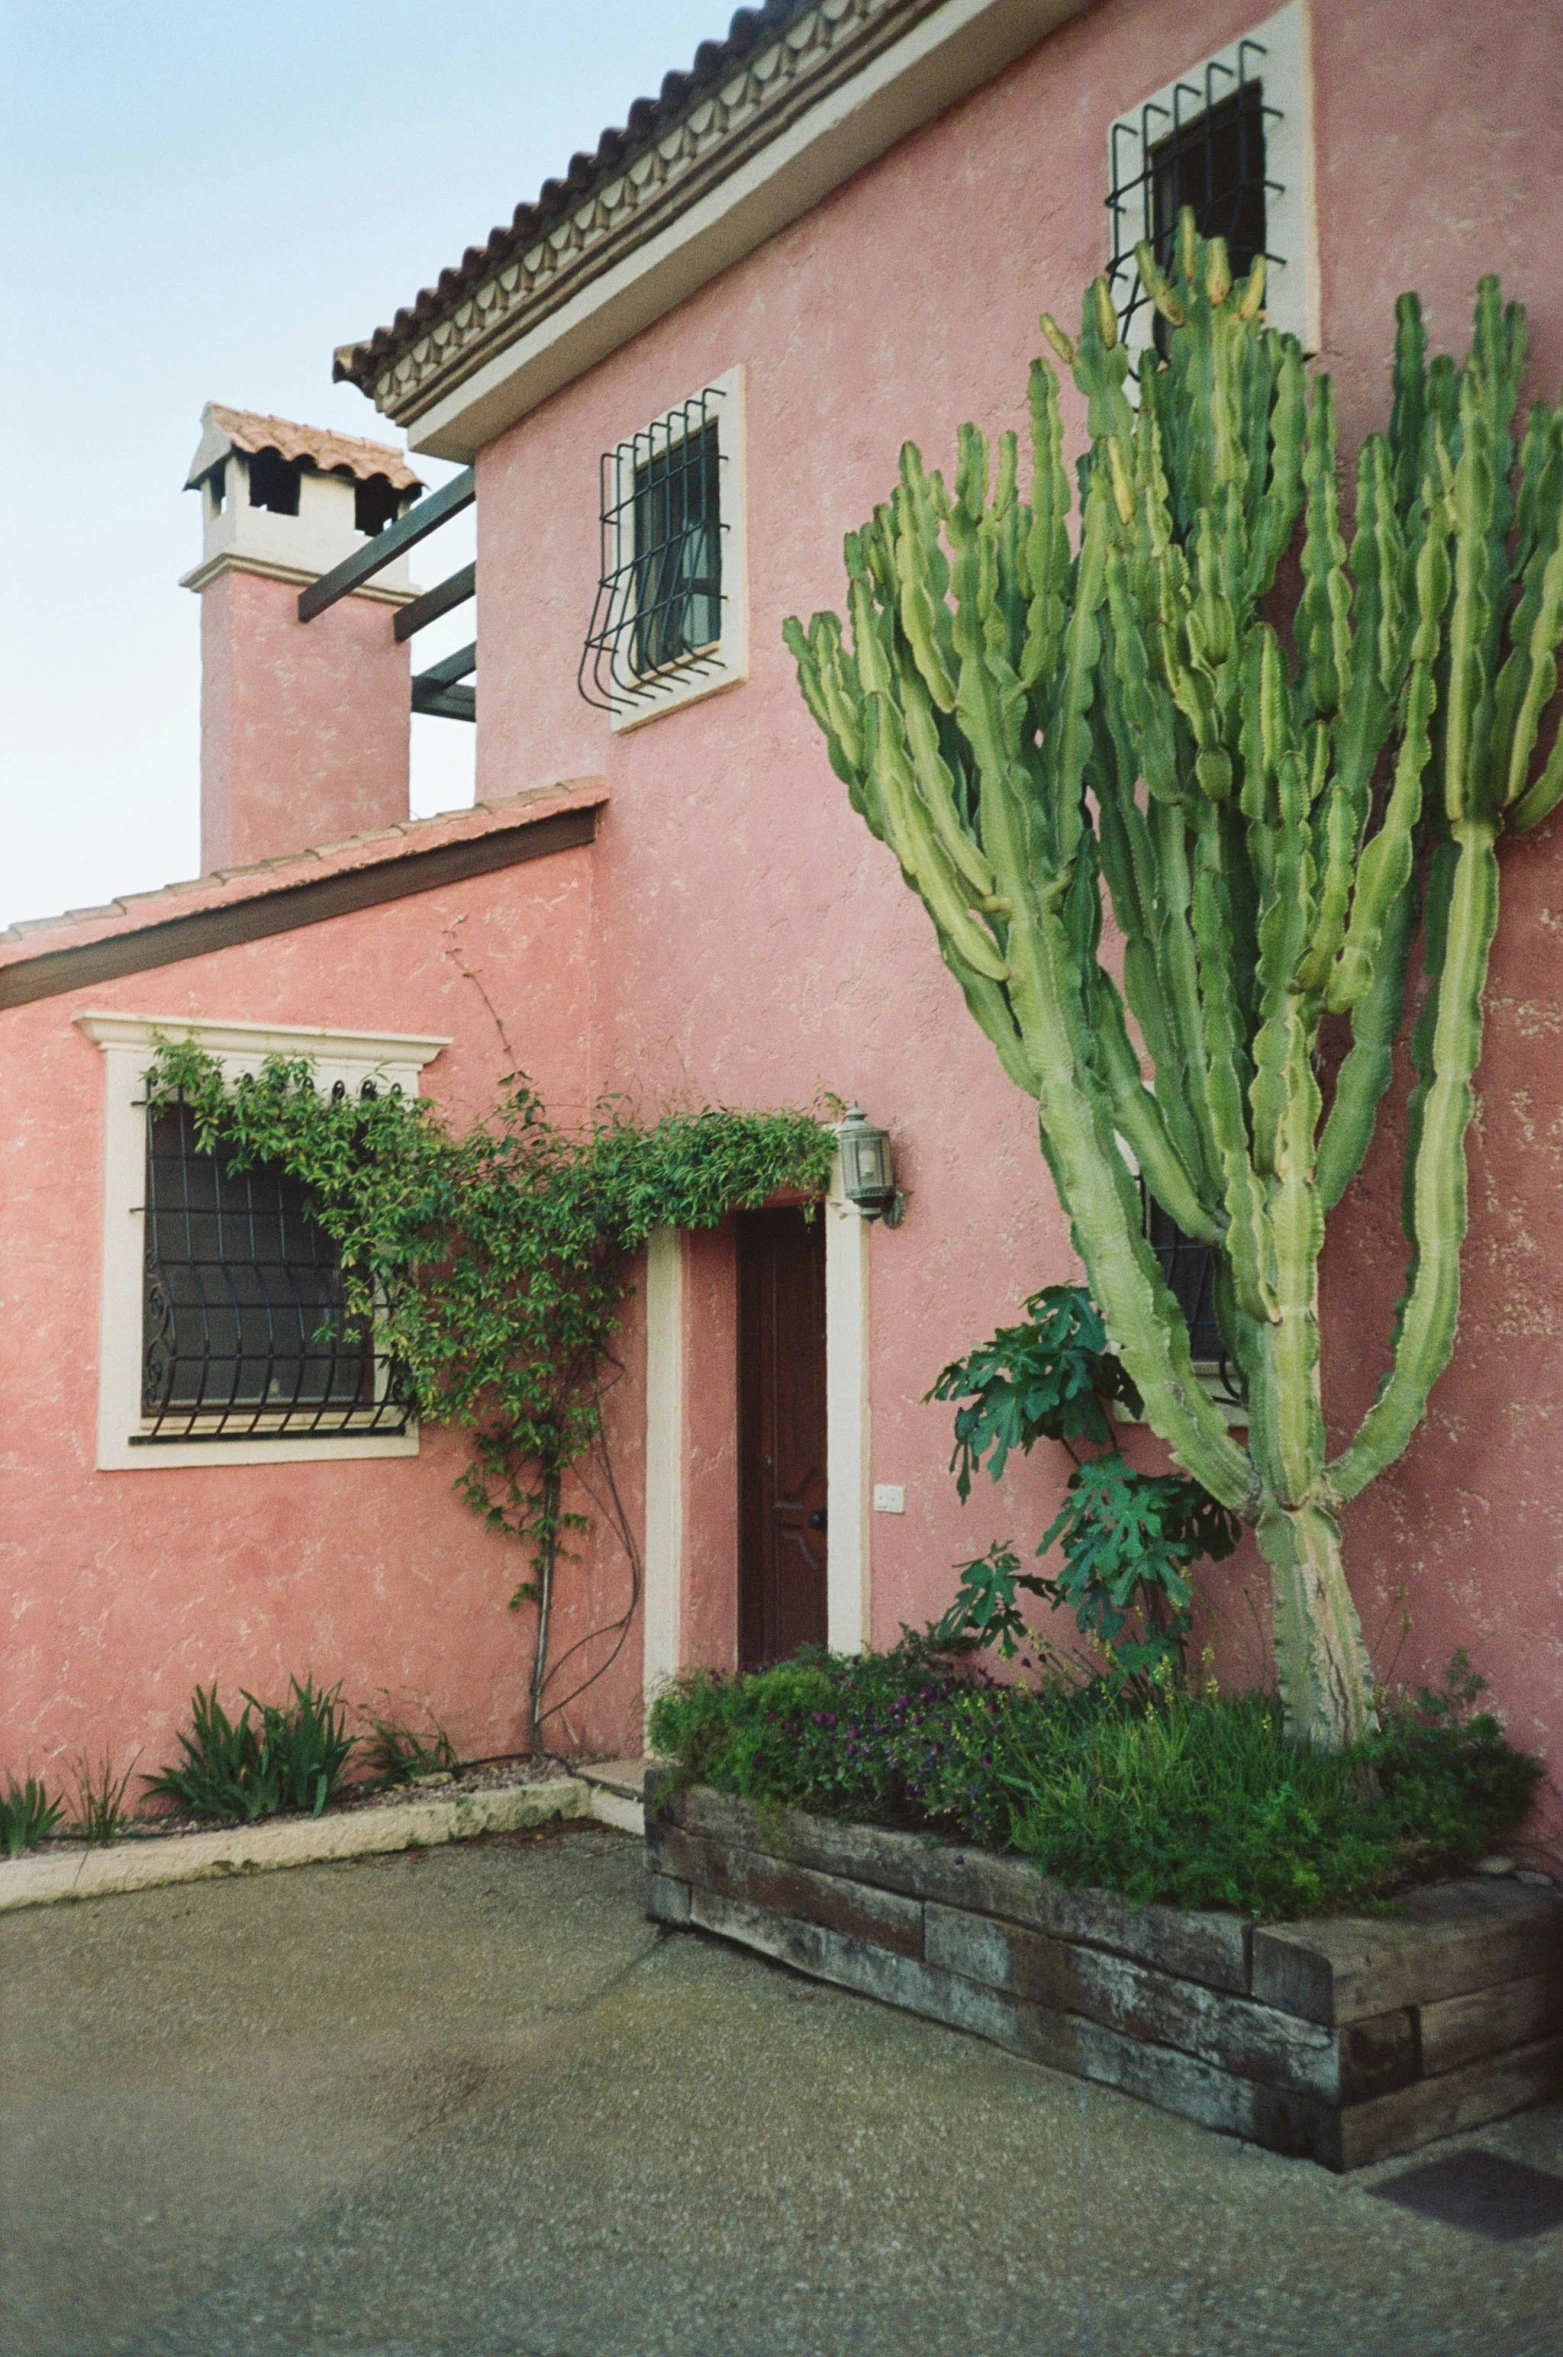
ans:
(1343, 2039)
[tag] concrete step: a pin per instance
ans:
(615, 1789)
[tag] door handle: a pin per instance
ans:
(817, 1518)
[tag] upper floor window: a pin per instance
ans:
(1231, 138)
(675, 535)
(670, 621)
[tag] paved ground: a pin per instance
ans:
(468, 2103)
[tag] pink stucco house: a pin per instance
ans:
(691, 362)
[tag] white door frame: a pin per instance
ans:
(847, 1419)
(847, 1427)
(663, 1604)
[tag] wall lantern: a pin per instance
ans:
(868, 1169)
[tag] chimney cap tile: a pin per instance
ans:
(224, 430)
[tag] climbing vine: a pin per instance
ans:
(493, 1262)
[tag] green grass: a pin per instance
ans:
(1196, 1801)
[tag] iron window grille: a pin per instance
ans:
(1207, 149)
(245, 1329)
(659, 606)
(1189, 1268)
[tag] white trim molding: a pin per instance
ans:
(211, 569)
(1291, 229)
(127, 1042)
(663, 1607)
(847, 1420)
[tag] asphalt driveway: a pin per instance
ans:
(469, 2103)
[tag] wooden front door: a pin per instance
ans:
(781, 1434)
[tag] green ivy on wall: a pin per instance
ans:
(494, 1261)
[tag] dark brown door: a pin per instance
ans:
(781, 1434)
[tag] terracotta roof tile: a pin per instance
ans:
(648, 119)
(224, 429)
(370, 848)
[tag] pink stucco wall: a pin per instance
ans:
(756, 945)
(305, 727)
(123, 1589)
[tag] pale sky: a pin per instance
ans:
(198, 203)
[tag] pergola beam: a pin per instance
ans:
(441, 599)
(419, 521)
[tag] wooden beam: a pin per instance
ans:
(424, 517)
(441, 599)
(291, 906)
(449, 668)
(445, 703)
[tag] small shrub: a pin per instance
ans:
(27, 1815)
(305, 1746)
(1196, 1801)
(292, 1756)
(101, 1814)
(1128, 1539)
(397, 1754)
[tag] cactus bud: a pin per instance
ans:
(1253, 295)
(1057, 338)
(1106, 316)
(1218, 270)
(1188, 245)
(1123, 488)
(1155, 283)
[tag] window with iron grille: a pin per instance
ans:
(1190, 1270)
(224, 1334)
(667, 621)
(1229, 138)
(245, 1329)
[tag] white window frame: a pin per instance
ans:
(1291, 229)
(711, 671)
(128, 1044)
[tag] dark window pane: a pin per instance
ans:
(243, 1307)
(678, 551)
(1216, 163)
(1190, 1271)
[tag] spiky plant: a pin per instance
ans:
(1284, 794)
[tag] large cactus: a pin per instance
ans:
(1279, 791)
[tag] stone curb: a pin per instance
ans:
(257, 1849)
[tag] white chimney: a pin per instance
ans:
(305, 726)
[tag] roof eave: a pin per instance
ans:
(889, 73)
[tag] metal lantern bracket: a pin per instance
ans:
(868, 1168)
